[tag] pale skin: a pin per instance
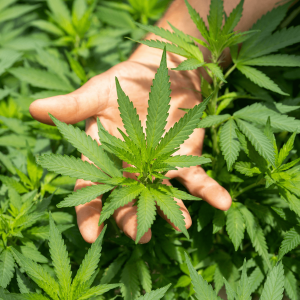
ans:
(98, 98)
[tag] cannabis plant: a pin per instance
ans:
(14, 20)
(22, 225)
(231, 133)
(143, 10)
(254, 52)
(134, 264)
(280, 175)
(27, 175)
(257, 44)
(70, 28)
(63, 287)
(150, 157)
(273, 287)
(153, 295)
(242, 289)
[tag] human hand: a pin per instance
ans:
(98, 98)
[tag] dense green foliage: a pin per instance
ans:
(251, 148)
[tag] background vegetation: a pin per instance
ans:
(50, 48)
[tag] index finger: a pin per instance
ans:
(88, 214)
(73, 107)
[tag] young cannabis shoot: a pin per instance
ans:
(243, 288)
(258, 44)
(78, 288)
(150, 156)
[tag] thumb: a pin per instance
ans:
(79, 105)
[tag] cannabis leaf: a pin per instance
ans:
(41, 79)
(219, 220)
(61, 261)
(243, 288)
(38, 274)
(7, 266)
(185, 161)
(229, 291)
(256, 278)
(291, 241)
(113, 269)
(155, 295)
(88, 147)
(129, 278)
(254, 50)
(233, 18)
(169, 47)
(182, 129)
(150, 157)
(202, 289)
(88, 266)
(189, 64)
(285, 150)
(259, 113)
(80, 288)
(235, 225)
(266, 24)
(215, 17)
(174, 192)
(130, 118)
(144, 275)
(213, 120)
(71, 166)
(290, 284)
(274, 285)
(255, 233)
(277, 41)
(85, 195)
(197, 20)
(118, 198)
(158, 108)
(229, 143)
(258, 140)
(177, 39)
(282, 60)
(246, 168)
(145, 213)
(260, 78)
(170, 208)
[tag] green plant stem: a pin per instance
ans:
(215, 145)
(249, 187)
(213, 105)
(230, 71)
(213, 129)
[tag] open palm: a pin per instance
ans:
(98, 98)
